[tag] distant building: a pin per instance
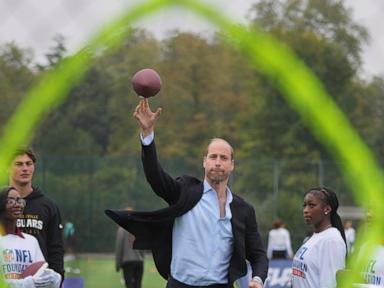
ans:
(352, 212)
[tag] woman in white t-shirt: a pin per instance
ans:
(279, 241)
(316, 262)
(19, 250)
(349, 235)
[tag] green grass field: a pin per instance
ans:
(98, 271)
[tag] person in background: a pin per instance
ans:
(279, 241)
(349, 235)
(373, 272)
(41, 217)
(373, 269)
(129, 260)
(19, 250)
(69, 239)
(317, 261)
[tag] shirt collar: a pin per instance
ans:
(208, 188)
(18, 232)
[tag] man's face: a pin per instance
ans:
(22, 169)
(218, 162)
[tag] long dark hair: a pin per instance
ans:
(329, 197)
(3, 198)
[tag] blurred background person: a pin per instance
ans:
(279, 241)
(373, 269)
(69, 239)
(69, 236)
(130, 260)
(373, 273)
(349, 234)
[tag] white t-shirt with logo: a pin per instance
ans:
(17, 253)
(316, 262)
(374, 270)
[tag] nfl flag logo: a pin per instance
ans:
(8, 255)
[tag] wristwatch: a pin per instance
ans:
(257, 279)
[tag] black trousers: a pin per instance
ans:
(279, 254)
(133, 273)
(173, 283)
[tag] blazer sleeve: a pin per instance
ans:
(255, 252)
(161, 182)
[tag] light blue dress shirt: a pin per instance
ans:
(202, 242)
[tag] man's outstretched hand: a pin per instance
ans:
(145, 117)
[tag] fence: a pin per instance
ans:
(84, 187)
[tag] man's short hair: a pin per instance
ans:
(218, 139)
(28, 151)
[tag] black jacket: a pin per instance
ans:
(153, 230)
(41, 218)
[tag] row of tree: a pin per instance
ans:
(90, 148)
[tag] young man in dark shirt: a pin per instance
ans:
(41, 217)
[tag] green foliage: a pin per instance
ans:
(90, 144)
(16, 76)
(329, 20)
(56, 53)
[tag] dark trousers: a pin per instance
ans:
(279, 254)
(133, 273)
(173, 283)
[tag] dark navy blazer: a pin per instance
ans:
(153, 229)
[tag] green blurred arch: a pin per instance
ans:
(297, 83)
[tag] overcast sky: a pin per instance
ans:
(32, 23)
